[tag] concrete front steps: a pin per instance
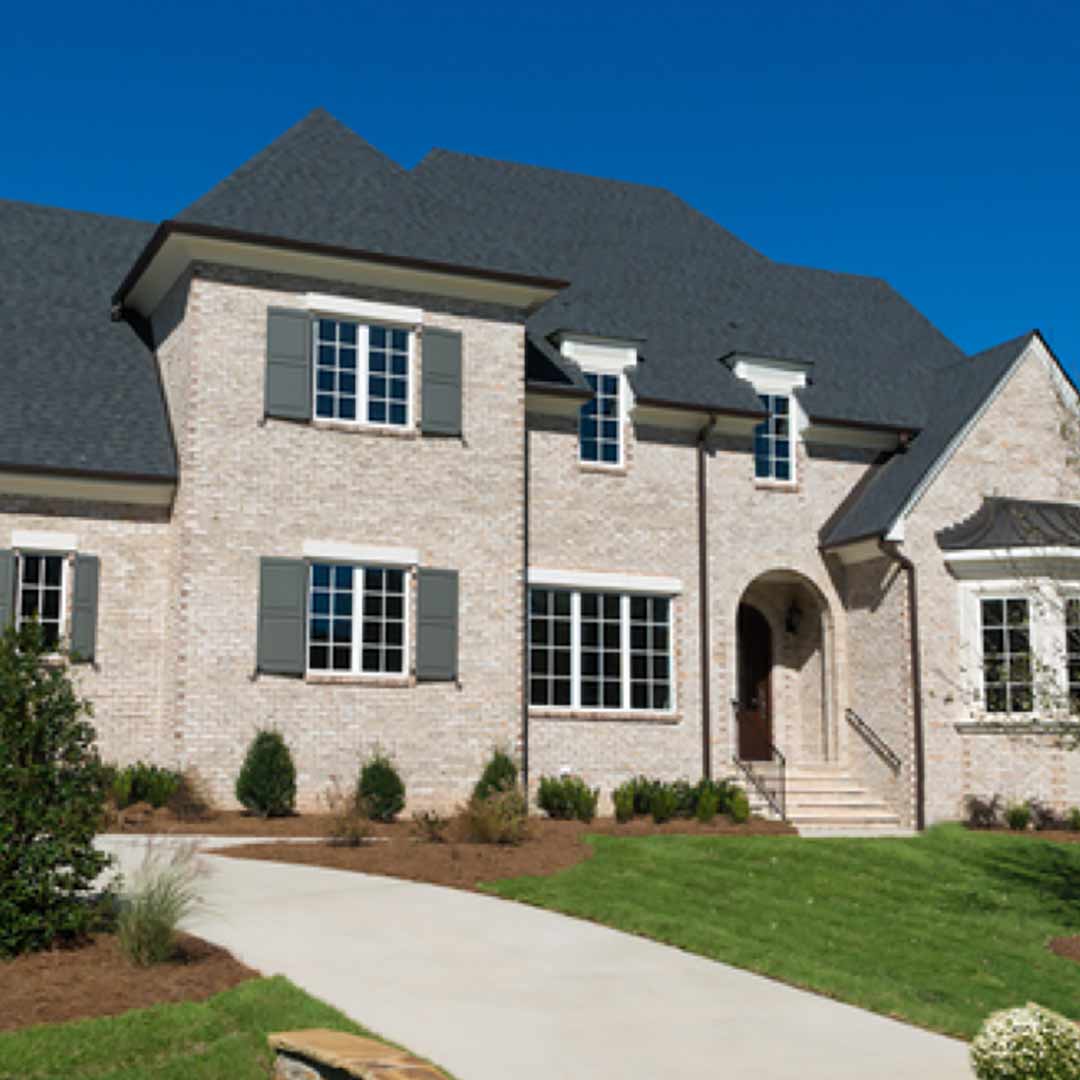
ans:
(825, 800)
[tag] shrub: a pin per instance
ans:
(191, 800)
(1018, 816)
(623, 799)
(500, 774)
(164, 892)
(1072, 819)
(142, 783)
(381, 791)
(739, 807)
(430, 826)
(1024, 1044)
(567, 798)
(686, 798)
(1044, 817)
(498, 818)
(643, 789)
(664, 803)
(349, 824)
(52, 797)
(982, 813)
(267, 781)
(708, 803)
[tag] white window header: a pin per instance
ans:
(43, 541)
(361, 553)
(771, 376)
(344, 307)
(610, 357)
(581, 579)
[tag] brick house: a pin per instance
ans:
(481, 453)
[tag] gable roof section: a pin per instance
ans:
(1014, 523)
(83, 394)
(958, 394)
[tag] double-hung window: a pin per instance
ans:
(599, 650)
(362, 372)
(773, 459)
(600, 422)
(40, 593)
(356, 619)
(1007, 669)
(1072, 651)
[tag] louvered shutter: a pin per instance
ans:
(437, 625)
(84, 608)
(288, 364)
(283, 587)
(440, 411)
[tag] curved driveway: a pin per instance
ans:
(495, 990)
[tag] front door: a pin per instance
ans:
(754, 707)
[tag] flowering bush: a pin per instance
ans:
(1031, 1043)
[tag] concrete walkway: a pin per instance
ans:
(493, 990)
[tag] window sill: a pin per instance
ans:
(776, 485)
(601, 469)
(540, 712)
(1020, 726)
(398, 682)
(391, 431)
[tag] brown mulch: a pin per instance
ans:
(1069, 947)
(143, 818)
(96, 979)
(551, 846)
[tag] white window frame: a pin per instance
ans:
(357, 645)
(777, 378)
(604, 356)
(990, 595)
(363, 371)
(771, 478)
(625, 652)
(64, 557)
(620, 410)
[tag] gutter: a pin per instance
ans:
(703, 596)
(891, 550)
(523, 667)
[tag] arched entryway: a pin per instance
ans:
(784, 670)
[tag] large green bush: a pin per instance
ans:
(500, 774)
(1031, 1043)
(267, 782)
(381, 791)
(567, 798)
(52, 797)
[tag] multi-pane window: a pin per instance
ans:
(1072, 651)
(600, 423)
(41, 594)
(1008, 680)
(772, 440)
(361, 373)
(599, 650)
(356, 619)
(549, 647)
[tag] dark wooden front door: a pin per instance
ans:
(754, 707)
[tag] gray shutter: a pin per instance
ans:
(288, 364)
(7, 588)
(437, 625)
(84, 608)
(440, 383)
(283, 587)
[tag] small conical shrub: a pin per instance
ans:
(381, 791)
(267, 782)
(500, 774)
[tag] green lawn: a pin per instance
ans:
(222, 1038)
(939, 929)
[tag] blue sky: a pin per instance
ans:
(935, 145)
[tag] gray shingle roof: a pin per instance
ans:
(956, 394)
(1014, 523)
(82, 393)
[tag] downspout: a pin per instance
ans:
(524, 666)
(703, 596)
(892, 550)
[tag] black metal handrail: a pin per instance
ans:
(874, 740)
(773, 789)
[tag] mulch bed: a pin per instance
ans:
(96, 979)
(551, 846)
(143, 818)
(1069, 947)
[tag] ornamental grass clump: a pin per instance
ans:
(267, 782)
(381, 791)
(1029, 1043)
(164, 892)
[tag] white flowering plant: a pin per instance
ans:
(1031, 1043)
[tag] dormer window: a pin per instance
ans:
(600, 423)
(773, 459)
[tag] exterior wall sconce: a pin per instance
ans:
(793, 618)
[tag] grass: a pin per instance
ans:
(939, 929)
(222, 1038)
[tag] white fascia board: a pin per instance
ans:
(327, 304)
(375, 554)
(896, 530)
(1012, 554)
(582, 579)
(32, 540)
(1054, 563)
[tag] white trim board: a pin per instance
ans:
(344, 306)
(30, 540)
(585, 579)
(337, 551)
